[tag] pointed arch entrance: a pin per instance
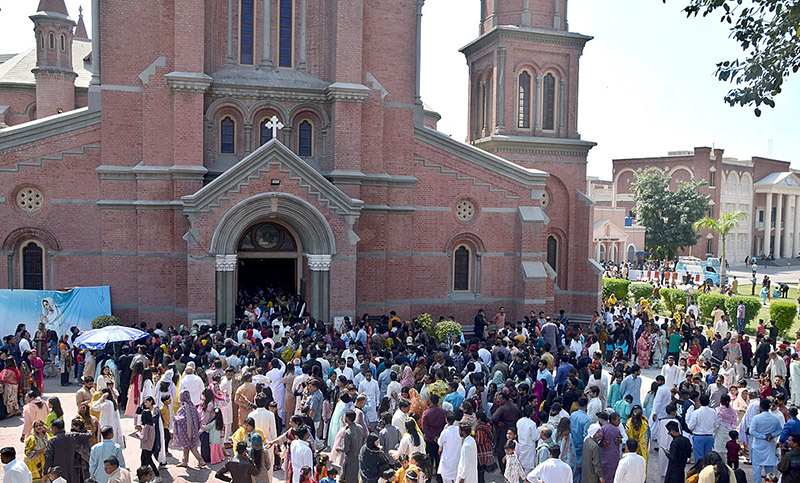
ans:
(271, 226)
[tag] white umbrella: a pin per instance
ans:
(98, 338)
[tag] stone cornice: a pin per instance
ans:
(141, 171)
(342, 91)
(266, 93)
(47, 127)
(349, 177)
(188, 81)
(319, 263)
(526, 34)
(534, 145)
(481, 158)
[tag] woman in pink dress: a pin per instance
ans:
(643, 349)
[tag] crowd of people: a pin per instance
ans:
(380, 400)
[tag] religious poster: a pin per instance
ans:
(59, 310)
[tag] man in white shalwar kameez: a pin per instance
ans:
(468, 460)
(450, 447)
(552, 469)
(794, 379)
(527, 436)
(744, 426)
(632, 468)
(226, 386)
(265, 421)
(370, 388)
(275, 376)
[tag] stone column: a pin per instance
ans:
(556, 16)
(537, 112)
(778, 220)
(562, 106)
(419, 112)
(788, 233)
(796, 226)
(301, 58)
(320, 266)
(226, 288)
(526, 13)
(477, 274)
(767, 224)
(230, 33)
(501, 90)
(94, 84)
(248, 137)
(266, 29)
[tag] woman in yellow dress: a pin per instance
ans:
(638, 430)
(35, 447)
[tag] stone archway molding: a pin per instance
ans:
(316, 235)
(316, 239)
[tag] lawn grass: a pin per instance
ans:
(744, 289)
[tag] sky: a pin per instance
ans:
(646, 80)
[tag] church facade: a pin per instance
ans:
(208, 145)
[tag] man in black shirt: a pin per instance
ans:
(480, 324)
(678, 453)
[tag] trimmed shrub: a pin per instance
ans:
(105, 321)
(674, 299)
(706, 303)
(783, 313)
(617, 286)
(751, 307)
(641, 291)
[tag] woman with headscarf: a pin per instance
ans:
(108, 414)
(420, 369)
(538, 393)
(260, 460)
(418, 405)
(408, 376)
(187, 430)
(37, 366)
(9, 377)
(727, 421)
(741, 403)
(337, 419)
(35, 448)
(637, 429)
(372, 460)
(643, 348)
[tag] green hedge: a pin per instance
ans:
(617, 286)
(641, 291)
(104, 321)
(706, 303)
(674, 299)
(751, 307)
(783, 313)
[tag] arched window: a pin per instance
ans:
(63, 43)
(304, 139)
(524, 108)
(266, 133)
(631, 253)
(487, 102)
(549, 103)
(246, 31)
(32, 266)
(227, 136)
(615, 251)
(52, 40)
(552, 252)
(285, 35)
(461, 269)
(602, 253)
(478, 125)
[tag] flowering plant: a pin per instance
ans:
(447, 331)
(424, 321)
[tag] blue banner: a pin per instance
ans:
(58, 310)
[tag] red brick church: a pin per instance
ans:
(201, 145)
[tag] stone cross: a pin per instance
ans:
(275, 125)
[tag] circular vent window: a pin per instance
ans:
(545, 200)
(465, 210)
(30, 199)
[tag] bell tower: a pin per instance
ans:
(55, 77)
(524, 73)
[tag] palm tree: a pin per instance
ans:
(721, 226)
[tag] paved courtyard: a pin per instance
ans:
(11, 430)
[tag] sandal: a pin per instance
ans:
(182, 465)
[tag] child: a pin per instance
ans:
(771, 478)
(733, 449)
(166, 417)
(55, 475)
(321, 468)
(388, 476)
(215, 429)
(149, 440)
(305, 475)
(400, 474)
(623, 407)
(513, 472)
(331, 478)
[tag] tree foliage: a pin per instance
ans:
(768, 32)
(667, 215)
(104, 321)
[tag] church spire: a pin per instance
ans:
(80, 30)
(53, 6)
